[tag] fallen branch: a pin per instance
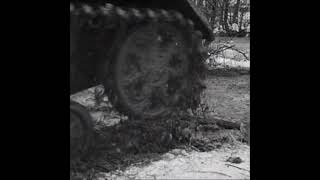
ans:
(215, 172)
(194, 148)
(237, 167)
(212, 121)
(220, 122)
(242, 53)
(227, 124)
(224, 47)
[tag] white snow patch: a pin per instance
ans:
(193, 165)
(226, 62)
(232, 63)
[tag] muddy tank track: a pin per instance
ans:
(100, 17)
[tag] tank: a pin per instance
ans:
(146, 53)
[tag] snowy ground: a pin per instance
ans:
(179, 164)
(221, 62)
(235, 57)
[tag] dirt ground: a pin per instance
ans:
(228, 97)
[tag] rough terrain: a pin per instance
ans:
(211, 153)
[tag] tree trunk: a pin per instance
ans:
(241, 20)
(214, 15)
(236, 12)
(221, 16)
(225, 15)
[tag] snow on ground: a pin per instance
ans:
(233, 57)
(179, 164)
(223, 62)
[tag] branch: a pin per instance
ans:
(225, 47)
(212, 172)
(220, 122)
(241, 52)
(221, 49)
(237, 167)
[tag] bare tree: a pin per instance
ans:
(225, 12)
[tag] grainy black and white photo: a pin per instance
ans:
(159, 89)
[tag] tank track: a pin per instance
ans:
(108, 16)
(81, 131)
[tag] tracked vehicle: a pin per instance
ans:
(146, 53)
